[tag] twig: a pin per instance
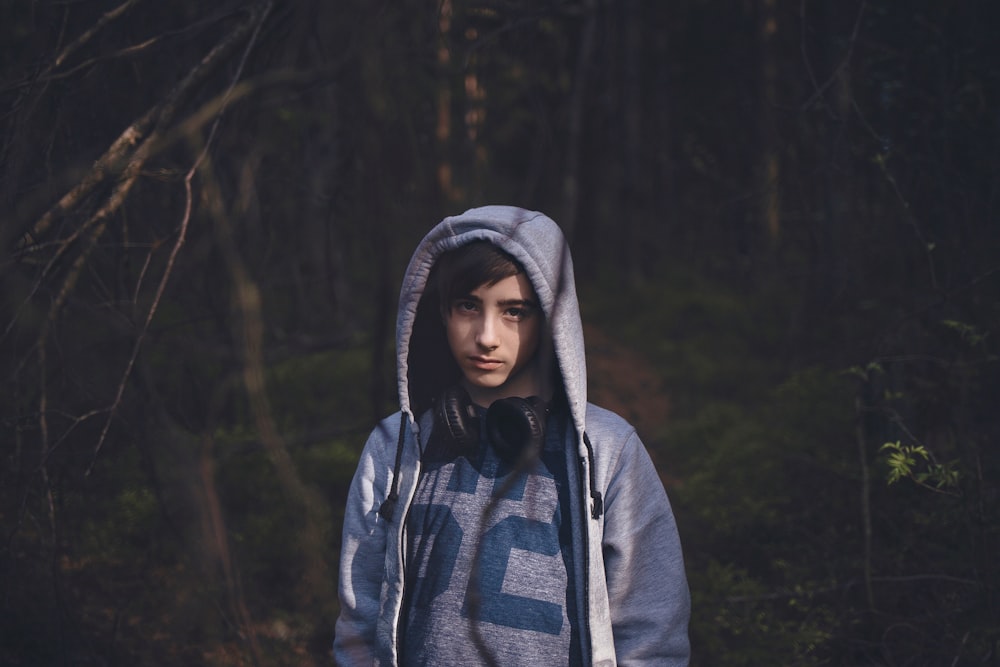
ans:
(821, 89)
(126, 51)
(961, 646)
(866, 510)
(108, 17)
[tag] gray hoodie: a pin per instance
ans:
(631, 583)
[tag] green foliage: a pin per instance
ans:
(318, 390)
(902, 461)
(752, 443)
(971, 334)
(866, 373)
(771, 496)
(123, 531)
(706, 339)
(738, 621)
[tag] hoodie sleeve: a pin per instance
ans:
(362, 558)
(647, 587)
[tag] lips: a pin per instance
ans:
(485, 363)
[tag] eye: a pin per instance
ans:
(464, 306)
(518, 313)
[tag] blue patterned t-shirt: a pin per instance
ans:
(489, 563)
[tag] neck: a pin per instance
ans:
(525, 384)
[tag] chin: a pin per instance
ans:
(486, 383)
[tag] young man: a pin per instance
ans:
(499, 518)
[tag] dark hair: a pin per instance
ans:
(460, 271)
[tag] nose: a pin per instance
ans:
(487, 335)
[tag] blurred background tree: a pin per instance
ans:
(785, 211)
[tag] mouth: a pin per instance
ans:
(485, 363)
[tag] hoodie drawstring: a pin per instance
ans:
(597, 509)
(388, 507)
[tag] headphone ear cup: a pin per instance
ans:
(516, 426)
(452, 413)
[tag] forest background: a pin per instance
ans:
(785, 226)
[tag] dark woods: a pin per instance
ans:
(786, 210)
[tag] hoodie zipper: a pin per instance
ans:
(400, 533)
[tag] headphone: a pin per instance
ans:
(515, 426)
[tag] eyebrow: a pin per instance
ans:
(503, 302)
(517, 302)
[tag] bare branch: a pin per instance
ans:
(143, 135)
(210, 109)
(841, 67)
(89, 34)
(158, 119)
(127, 51)
(252, 26)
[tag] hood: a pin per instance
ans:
(423, 362)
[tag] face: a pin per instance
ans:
(493, 334)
